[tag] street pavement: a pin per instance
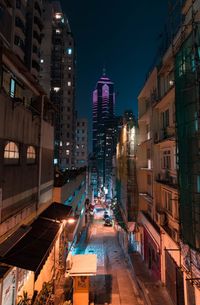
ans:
(113, 283)
(122, 278)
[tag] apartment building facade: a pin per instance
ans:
(57, 76)
(81, 143)
(168, 161)
(126, 190)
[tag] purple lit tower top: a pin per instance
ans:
(103, 108)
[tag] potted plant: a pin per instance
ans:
(24, 299)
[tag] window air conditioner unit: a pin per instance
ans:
(161, 218)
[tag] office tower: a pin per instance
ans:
(58, 75)
(81, 142)
(103, 131)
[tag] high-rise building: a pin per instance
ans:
(57, 76)
(104, 130)
(81, 143)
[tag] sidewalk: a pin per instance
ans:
(153, 291)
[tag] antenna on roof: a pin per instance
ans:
(104, 70)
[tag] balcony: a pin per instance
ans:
(6, 19)
(37, 37)
(167, 133)
(38, 21)
(167, 179)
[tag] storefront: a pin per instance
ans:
(151, 245)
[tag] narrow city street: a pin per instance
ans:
(114, 283)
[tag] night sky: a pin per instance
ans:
(123, 36)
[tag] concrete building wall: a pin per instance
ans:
(81, 143)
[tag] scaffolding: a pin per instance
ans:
(187, 77)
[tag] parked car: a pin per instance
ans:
(108, 222)
(106, 215)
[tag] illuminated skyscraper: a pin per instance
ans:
(104, 130)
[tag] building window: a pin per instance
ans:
(83, 123)
(69, 84)
(165, 118)
(166, 160)
(67, 152)
(11, 153)
(168, 201)
(69, 51)
(198, 184)
(12, 87)
(31, 154)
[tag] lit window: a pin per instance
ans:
(55, 161)
(12, 87)
(11, 151)
(58, 31)
(63, 20)
(41, 61)
(56, 89)
(58, 15)
(198, 184)
(67, 152)
(67, 143)
(69, 68)
(69, 84)
(31, 154)
(69, 51)
(60, 143)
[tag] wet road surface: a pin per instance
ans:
(113, 283)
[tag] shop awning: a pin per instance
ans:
(57, 211)
(13, 239)
(32, 250)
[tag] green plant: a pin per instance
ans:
(24, 299)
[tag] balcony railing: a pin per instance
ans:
(164, 134)
(167, 179)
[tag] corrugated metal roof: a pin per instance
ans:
(13, 239)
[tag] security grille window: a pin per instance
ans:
(11, 153)
(31, 155)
